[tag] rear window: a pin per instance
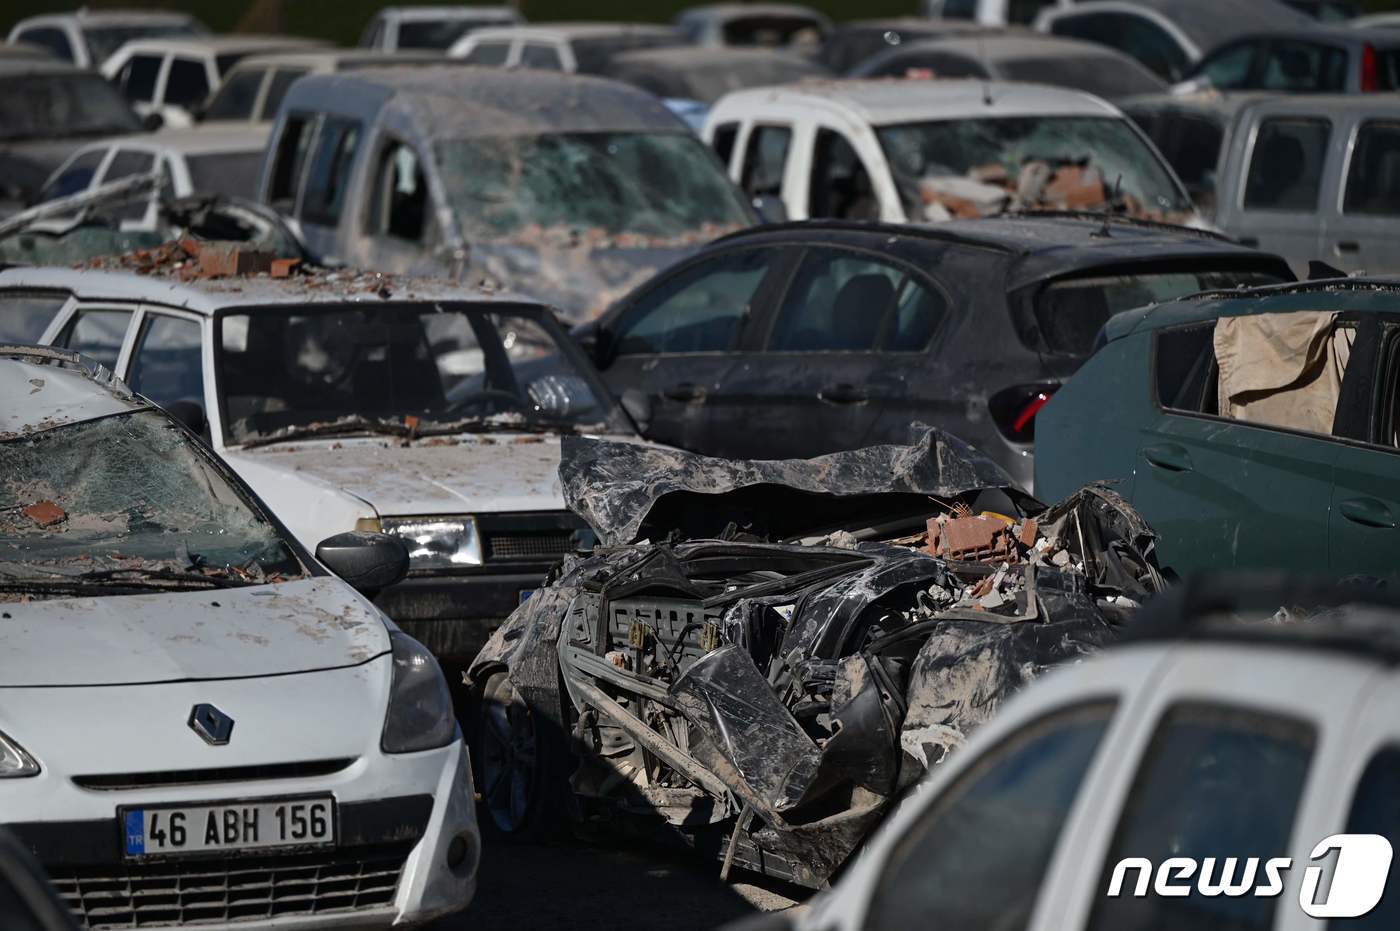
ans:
(1069, 313)
(233, 174)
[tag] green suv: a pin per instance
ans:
(1253, 428)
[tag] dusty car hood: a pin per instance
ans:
(437, 475)
(264, 630)
(581, 281)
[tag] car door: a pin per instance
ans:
(1278, 186)
(1364, 523)
(139, 80)
(1365, 234)
(1222, 490)
(824, 367)
(675, 341)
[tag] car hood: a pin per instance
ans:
(437, 475)
(263, 630)
(629, 493)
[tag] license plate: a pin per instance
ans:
(169, 829)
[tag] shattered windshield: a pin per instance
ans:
(397, 369)
(41, 106)
(636, 188)
(971, 168)
(124, 499)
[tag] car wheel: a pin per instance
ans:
(510, 767)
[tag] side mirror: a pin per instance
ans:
(152, 121)
(637, 404)
(770, 208)
(191, 414)
(368, 561)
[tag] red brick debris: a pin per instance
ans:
(189, 259)
(45, 513)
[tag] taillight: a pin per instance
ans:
(1014, 410)
(1370, 72)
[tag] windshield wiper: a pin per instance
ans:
(342, 427)
(122, 578)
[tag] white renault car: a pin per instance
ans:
(421, 408)
(199, 724)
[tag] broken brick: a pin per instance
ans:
(45, 513)
(283, 268)
(1029, 530)
(967, 538)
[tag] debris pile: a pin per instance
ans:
(189, 259)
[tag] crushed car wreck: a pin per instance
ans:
(791, 644)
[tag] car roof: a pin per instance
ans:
(486, 11)
(727, 11)
(215, 44)
(1343, 295)
(690, 56)
(49, 396)
(883, 101)
(211, 295)
(1037, 246)
(569, 31)
(465, 101)
(207, 139)
(1003, 46)
(1209, 23)
(10, 66)
(111, 17)
(330, 59)
(1206, 102)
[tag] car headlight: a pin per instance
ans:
(14, 761)
(420, 713)
(437, 542)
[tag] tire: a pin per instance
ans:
(513, 763)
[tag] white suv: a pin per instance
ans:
(1139, 773)
(200, 723)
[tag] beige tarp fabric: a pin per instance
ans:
(1284, 370)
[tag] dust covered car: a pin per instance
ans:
(201, 724)
(823, 632)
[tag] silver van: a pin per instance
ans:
(570, 189)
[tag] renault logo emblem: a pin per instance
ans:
(211, 724)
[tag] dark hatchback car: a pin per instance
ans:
(808, 338)
(1323, 59)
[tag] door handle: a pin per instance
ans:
(1368, 512)
(685, 391)
(1347, 245)
(1168, 456)
(842, 394)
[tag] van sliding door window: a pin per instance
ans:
(330, 171)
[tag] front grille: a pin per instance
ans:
(203, 891)
(546, 545)
(184, 777)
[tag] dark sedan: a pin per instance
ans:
(808, 338)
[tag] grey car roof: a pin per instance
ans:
(10, 66)
(1211, 23)
(690, 56)
(329, 59)
(1002, 46)
(457, 101)
(210, 295)
(578, 30)
(87, 17)
(498, 11)
(725, 11)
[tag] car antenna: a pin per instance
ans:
(982, 59)
(1103, 231)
